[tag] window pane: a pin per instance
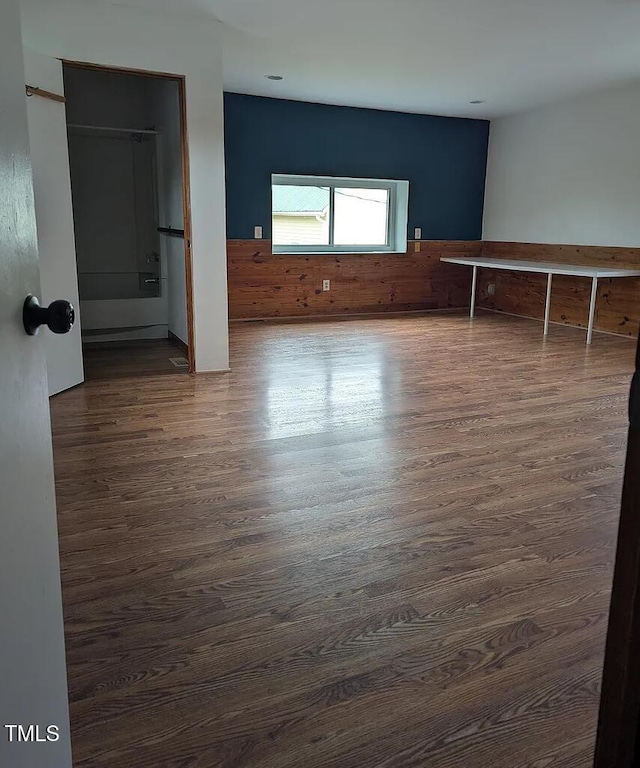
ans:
(300, 215)
(361, 216)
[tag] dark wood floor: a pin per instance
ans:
(375, 543)
(149, 357)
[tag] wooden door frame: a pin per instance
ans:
(617, 743)
(186, 181)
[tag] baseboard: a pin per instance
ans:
(346, 316)
(555, 322)
(178, 342)
(137, 333)
(213, 373)
(408, 313)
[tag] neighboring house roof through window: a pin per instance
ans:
(302, 199)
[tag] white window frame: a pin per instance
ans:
(397, 212)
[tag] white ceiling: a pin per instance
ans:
(432, 56)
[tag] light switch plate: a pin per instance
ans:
(418, 233)
(257, 233)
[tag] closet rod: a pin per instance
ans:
(108, 128)
(171, 231)
(31, 90)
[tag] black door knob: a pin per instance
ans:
(59, 316)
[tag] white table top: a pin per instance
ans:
(546, 267)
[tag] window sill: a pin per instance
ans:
(339, 253)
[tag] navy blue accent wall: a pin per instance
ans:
(444, 159)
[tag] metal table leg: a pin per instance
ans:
(547, 306)
(592, 309)
(473, 292)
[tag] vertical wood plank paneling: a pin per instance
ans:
(618, 308)
(262, 284)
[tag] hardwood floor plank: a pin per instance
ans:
(147, 357)
(382, 542)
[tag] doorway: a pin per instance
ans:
(127, 157)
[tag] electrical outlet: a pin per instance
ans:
(416, 246)
(418, 233)
(326, 285)
(491, 289)
(257, 233)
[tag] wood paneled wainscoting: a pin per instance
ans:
(520, 293)
(263, 284)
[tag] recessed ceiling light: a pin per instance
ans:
(478, 101)
(274, 77)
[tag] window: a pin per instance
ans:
(312, 214)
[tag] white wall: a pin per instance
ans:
(119, 36)
(166, 105)
(568, 173)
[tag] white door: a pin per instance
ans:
(33, 688)
(54, 215)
